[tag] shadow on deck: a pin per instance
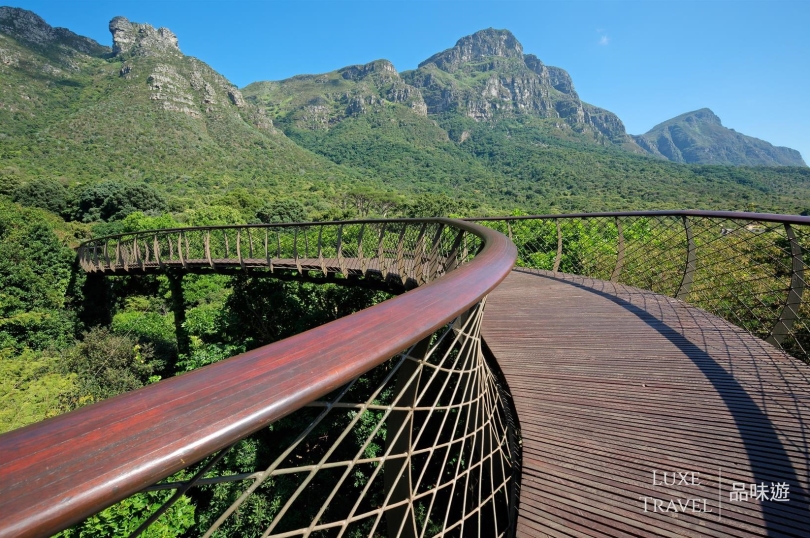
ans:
(617, 388)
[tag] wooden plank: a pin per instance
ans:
(612, 382)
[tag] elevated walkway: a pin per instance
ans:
(612, 384)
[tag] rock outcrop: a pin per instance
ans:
(481, 45)
(176, 82)
(141, 39)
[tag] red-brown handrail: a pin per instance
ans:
(61, 470)
(764, 217)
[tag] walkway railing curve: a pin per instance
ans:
(403, 252)
(406, 431)
(749, 268)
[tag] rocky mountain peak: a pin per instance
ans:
(704, 116)
(141, 39)
(30, 28)
(482, 44)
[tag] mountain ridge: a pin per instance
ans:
(502, 130)
(699, 137)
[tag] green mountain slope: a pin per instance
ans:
(142, 111)
(367, 117)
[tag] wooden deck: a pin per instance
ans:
(612, 384)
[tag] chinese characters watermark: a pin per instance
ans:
(759, 492)
(693, 495)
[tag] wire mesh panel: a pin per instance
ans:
(416, 447)
(750, 271)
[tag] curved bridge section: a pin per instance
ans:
(421, 444)
(402, 254)
(632, 343)
(641, 414)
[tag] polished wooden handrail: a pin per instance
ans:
(59, 471)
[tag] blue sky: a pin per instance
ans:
(647, 61)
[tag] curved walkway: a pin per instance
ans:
(619, 390)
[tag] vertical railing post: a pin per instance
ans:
(295, 251)
(136, 255)
(239, 247)
(157, 251)
(119, 258)
(397, 471)
(381, 265)
(339, 253)
(267, 249)
(790, 312)
(433, 259)
(320, 249)
(691, 262)
(559, 247)
(419, 256)
(188, 250)
(208, 248)
(400, 260)
(452, 261)
(617, 270)
(180, 238)
(360, 256)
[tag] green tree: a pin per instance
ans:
(114, 200)
(215, 215)
(282, 210)
(106, 364)
(35, 273)
(43, 193)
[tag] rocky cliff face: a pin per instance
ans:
(472, 48)
(699, 137)
(486, 75)
(141, 39)
(30, 29)
(177, 83)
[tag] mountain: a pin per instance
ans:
(699, 137)
(368, 117)
(29, 28)
(480, 127)
(486, 76)
(140, 110)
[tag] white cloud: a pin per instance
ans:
(604, 41)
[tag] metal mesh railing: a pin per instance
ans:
(748, 268)
(321, 434)
(410, 251)
(417, 447)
